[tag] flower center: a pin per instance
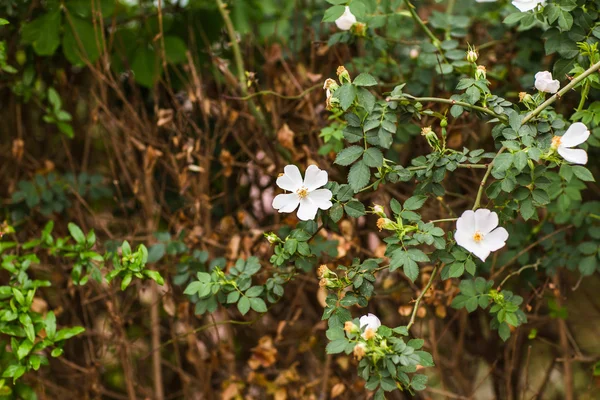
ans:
(302, 192)
(478, 237)
(556, 140)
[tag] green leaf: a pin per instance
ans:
(583, 173)
(146, 66)
(346, 94)
(43, 33)
(373, 157)
(354, 208)
(80, 43)
(76, 233)
(364, 79)
(359, 176)
(254, 291)
(333, 13)
(503, 162)
(457, 269)
(336, 212)
(68, 333)
(258, 305)
(415, 202)
(587, 265)
(175, 49)
(336, 346)
(244, 305)
(348, 155)
(50, 323)
(411, 270)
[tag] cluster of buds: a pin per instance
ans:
(327, 278)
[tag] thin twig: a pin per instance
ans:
(418, 301)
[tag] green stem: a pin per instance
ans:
(239, 64)
(584, 95)
(443, 220)
(518, 272)
(419, 21)
(418, 301)
(484, 180)
(562, 92)
(468, 166)
(484, 110)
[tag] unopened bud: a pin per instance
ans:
(526, 98)
(369, 333)
(472, 56)
(343, 75)
(359, 29)
(480, 73)
(272, 238)
(359, 351)
(414, 53)
(379, 210)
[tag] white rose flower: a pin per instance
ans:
(575, 135)
(346, 20)
(305, 193)
(527, 5)
(545, 83)
(477, 232)
(369, 321)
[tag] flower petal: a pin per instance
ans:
(496, 239)
(526, 5)
(576, 134)
(575, 156)
(321, 198)
(485, 220)
(291, 179)
(286, 202)
(346, 20)
(466, 241)
(370, 321)
(308, 210)
(314, 178)
(466, 223)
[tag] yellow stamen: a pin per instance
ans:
(302, 192)
(556, 140)
(478, 237)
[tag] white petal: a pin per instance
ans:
(346, 20)
(466, 223)
(308, 210)
(553, 86)
(314, 178)
(543, 75)
(291, 179)
(575, 156)
(286, 202)
(480, 251)
(576, 134)
(321, 198)
(526, 5)
(496, 239)
(370, 321)
(466, 241)
(485, 220)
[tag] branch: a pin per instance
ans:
(418, 301)
(484, 110)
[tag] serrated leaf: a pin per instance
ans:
(364, 79)
(373, 157)
(359, 176)
(348, 155)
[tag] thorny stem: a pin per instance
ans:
(484, 180)
(272, 93)
(239, 64)
(484, 110)
(418, 301)
(562, 91)
(518, 272)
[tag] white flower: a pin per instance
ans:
(477, 232)
(346, 20)
(575, 135)
(545, 83)
(369, 321)
(305, 193)
(527, 5)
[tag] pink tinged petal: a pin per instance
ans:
(308, 210)
(321, 198)
(575, 156)
(496, 239)
(286, 203)
(576, 134)
(314, 178)
(466, 222)
(291, 179)
(485, 220)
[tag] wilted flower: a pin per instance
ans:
(478, 232)
(305, 193)
(527, 5)
(480, 72)
(359, 351)
(343, 74)
(385, 223)
(359, 29)
(346, 20)
(323, 271)
(371, 323)
(350, 327)
(575, 135)
(330, 86)
(545, 83)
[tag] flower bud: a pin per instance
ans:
(431, 137)
(324, 272)
(343, 75)
(472, 56)
(526, 98)
(359, 29)
(386, 223)
(379, 210)
(369, 333)
(444, 123)
(359, 351)
(330, 85)
(272, 238)
(480, 73)
(350, 327)
(414, 53)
